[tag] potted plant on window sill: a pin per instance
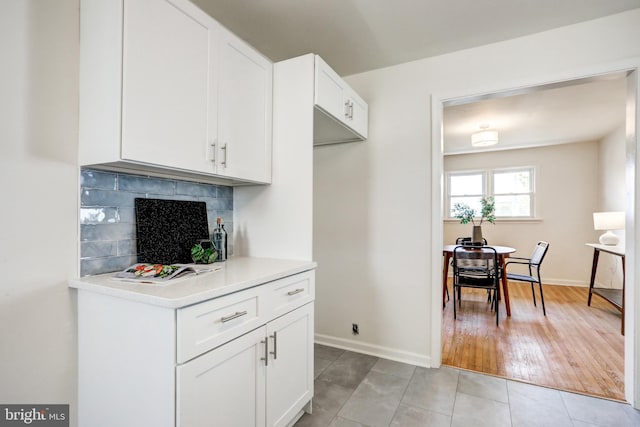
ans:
(466, 215)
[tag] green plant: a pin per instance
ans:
(466, 214)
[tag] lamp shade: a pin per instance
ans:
(484, 138)
(608, 221)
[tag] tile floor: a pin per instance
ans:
(354, 390)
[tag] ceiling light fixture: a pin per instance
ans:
(485, 137)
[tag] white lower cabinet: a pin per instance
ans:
(243, 359)
(264, 377)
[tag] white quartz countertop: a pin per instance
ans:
(233, 275)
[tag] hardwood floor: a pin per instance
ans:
(575, 347)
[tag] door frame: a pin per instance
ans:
(632, 232)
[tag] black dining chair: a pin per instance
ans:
(534, 264)
(466, 241)
(487, 277)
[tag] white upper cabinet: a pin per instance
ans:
(165, 88)
(168, 89)
(244, 111)
(340, 114)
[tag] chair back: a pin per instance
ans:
(539, 252)
(475, 262)
(467, 241)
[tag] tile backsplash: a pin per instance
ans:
(107, 214)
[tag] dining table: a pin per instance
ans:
(503, 253)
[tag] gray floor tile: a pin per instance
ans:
(376, 399)
(327, 400)
(483, 386)
(479, 412)
(600, 412)
(349, 369)
(577, 423)
(341, 422)
(433, 389)
(533, 406)
(398, 369)
(410, 416)
(319, 365)
(326, 352)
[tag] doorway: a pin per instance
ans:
(631, 79)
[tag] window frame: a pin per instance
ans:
(488, 189)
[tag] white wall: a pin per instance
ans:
(39, 215)
(373, 236)
(564, 215)
(612, 192)
(275, 221)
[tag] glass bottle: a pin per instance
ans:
(219, 240)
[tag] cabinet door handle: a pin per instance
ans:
(351, 110)
(233, 316)
(275, 345)
(226, 154)
(297, 291)
(346, 109)
(213, 152)
(266, 351)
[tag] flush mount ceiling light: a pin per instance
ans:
(485, 137)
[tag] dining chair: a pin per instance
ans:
(534, 264)
(470, 264)
(487, 277)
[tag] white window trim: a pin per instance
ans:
(487, 188)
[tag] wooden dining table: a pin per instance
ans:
(503, 253)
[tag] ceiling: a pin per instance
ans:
(355, 36)
(577, 111)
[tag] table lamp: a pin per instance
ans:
(608, 221)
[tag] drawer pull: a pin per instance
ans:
(233, 316)
(297, 291)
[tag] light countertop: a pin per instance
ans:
(233, 275)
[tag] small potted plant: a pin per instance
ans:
(466, 214)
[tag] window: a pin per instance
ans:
(512, 190)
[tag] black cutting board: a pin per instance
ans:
(167, 229)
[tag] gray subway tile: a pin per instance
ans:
(99, 215)
(127, 247)
(93, 266)
(145, 184)
(127, 214)
(117, 231)
(98, 249)
(90, 178)
(196, 189)
(225, 192)
(92, 198)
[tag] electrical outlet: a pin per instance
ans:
(355, 329)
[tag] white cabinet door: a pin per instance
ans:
(329, 91)
(169, 108)
(358, 116)
(245, 111)
(224, 387)
(290, 370)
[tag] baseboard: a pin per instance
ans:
(375, 350)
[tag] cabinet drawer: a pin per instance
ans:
(209, 324)
(290, 293)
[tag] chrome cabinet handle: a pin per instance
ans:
(346, 109)
(275, 345)
(266, 352)
(226, 154)
(233, 316)
(351, 110)
(297, 291)
(212, 152)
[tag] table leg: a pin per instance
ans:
(594, 267)
(445, 273)
(505, 286)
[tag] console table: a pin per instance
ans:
(613, 296)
